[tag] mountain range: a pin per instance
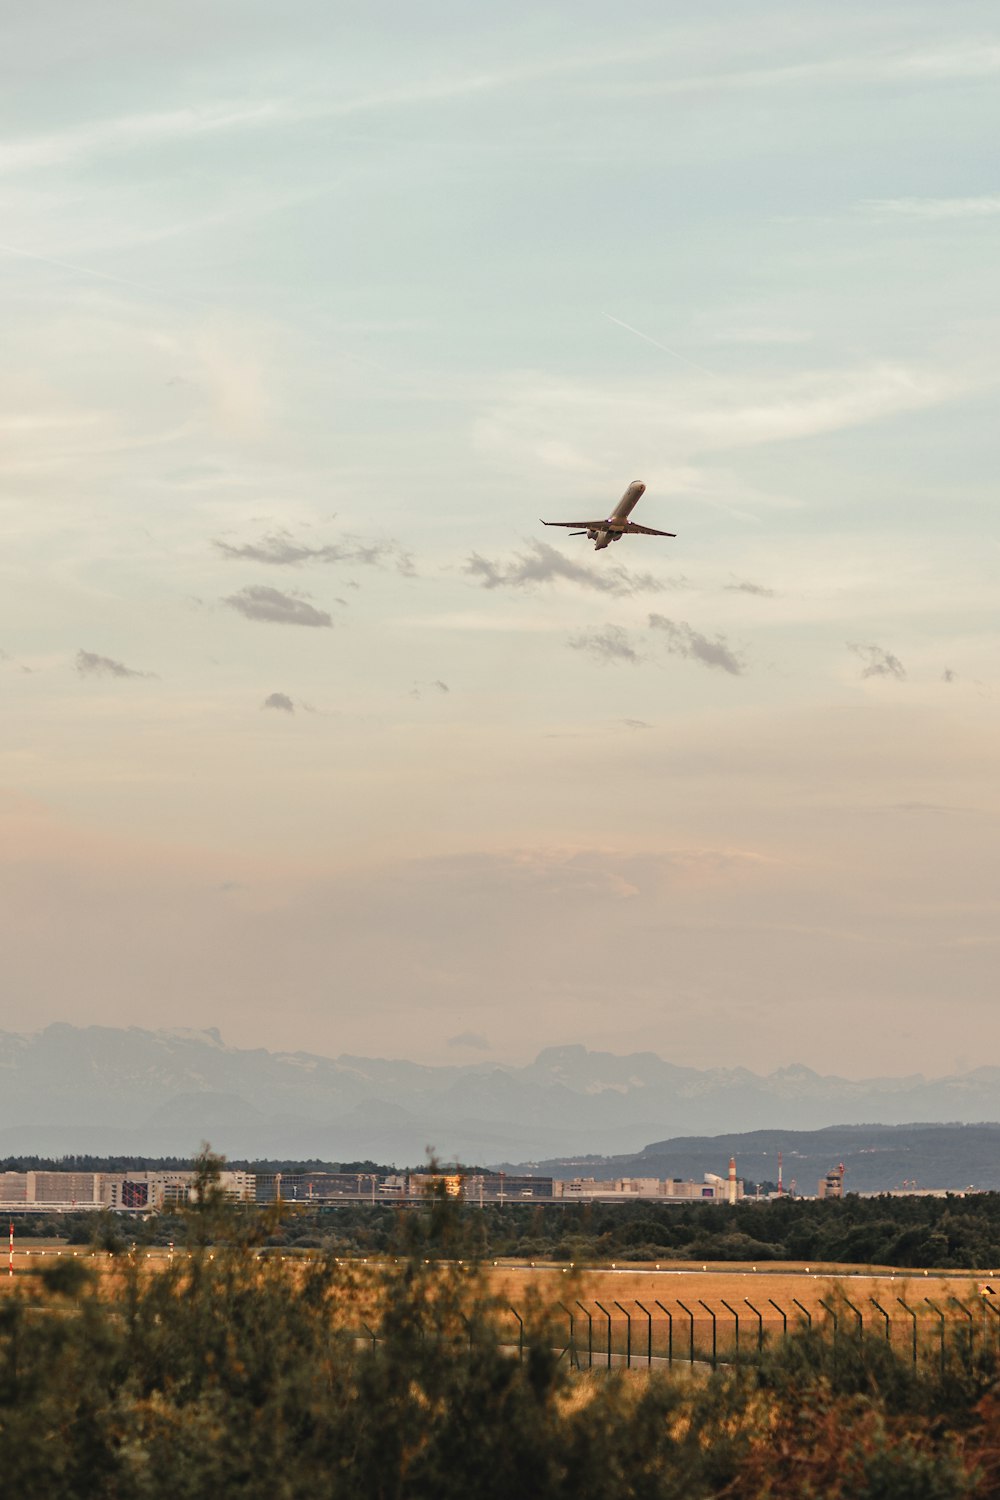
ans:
(877, 1158)
(105, 1090)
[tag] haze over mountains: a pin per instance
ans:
(877, 1158)
(106, 1090)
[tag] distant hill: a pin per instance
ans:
(107, 1090)
(878, 1158)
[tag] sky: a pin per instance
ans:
(312, 732)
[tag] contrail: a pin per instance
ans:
(657, 345)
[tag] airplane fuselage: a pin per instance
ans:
(613, 528)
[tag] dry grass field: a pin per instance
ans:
(669, 1306)
(732, 1282)
(672, 1309)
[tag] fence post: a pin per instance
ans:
(520, 1332)
(993, 1309)
(670, 1332)
(783, 1315)
(833, 1315)
(590, 1334)
(736, 1319)
(857, 1313)
(963, 1309)
(649, 1332)
(691, 1316)
(628, 1336)
(608, 1316)
(805, 1313)
(913, 1315)
(760, 1323)
(940, 1314)
(875, 1303)
(711, 1314)
(574, 1362)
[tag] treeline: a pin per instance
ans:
(947, 1233)
(951, 1233)
(175, 1164)
(226, 1374)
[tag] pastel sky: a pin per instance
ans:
(311, 731)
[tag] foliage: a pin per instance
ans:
(234, 1372)
(951, 1233)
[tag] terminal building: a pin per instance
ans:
(140, 1191)
(712, 1189)
(151, 1192)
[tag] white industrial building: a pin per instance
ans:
(61, 1192)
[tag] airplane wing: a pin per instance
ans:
(647, 530)
(578, 525)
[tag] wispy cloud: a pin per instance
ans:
(118, 134)
(89, 139)
(90, 664)
(281, 550)
(681, 414)
(878, 662)
(744, 586)
(682, 640)
(609, 645)
(19, 666)
(545, 564)
(473, 1040)
(983, 207)
(258, 602)
(279, 701)
(964, 59)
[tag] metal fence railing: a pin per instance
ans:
(658, 1334)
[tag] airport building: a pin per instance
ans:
(832, 1184)
(66, 1192)
(712, 1189)
(139, 1191)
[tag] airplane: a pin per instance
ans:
(615, 526)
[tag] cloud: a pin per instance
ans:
(682, 640)
(636, 724)
(976, 59)
(89, 664)
(279, 700)
(544, 564)
(258, 602)
(744, 586)
(280, 549)
(878, 662)
(608, 645)
(985, 206)
(471, 1039)
(693, 416)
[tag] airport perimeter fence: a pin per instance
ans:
(594, 1334)
(657, 1335)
